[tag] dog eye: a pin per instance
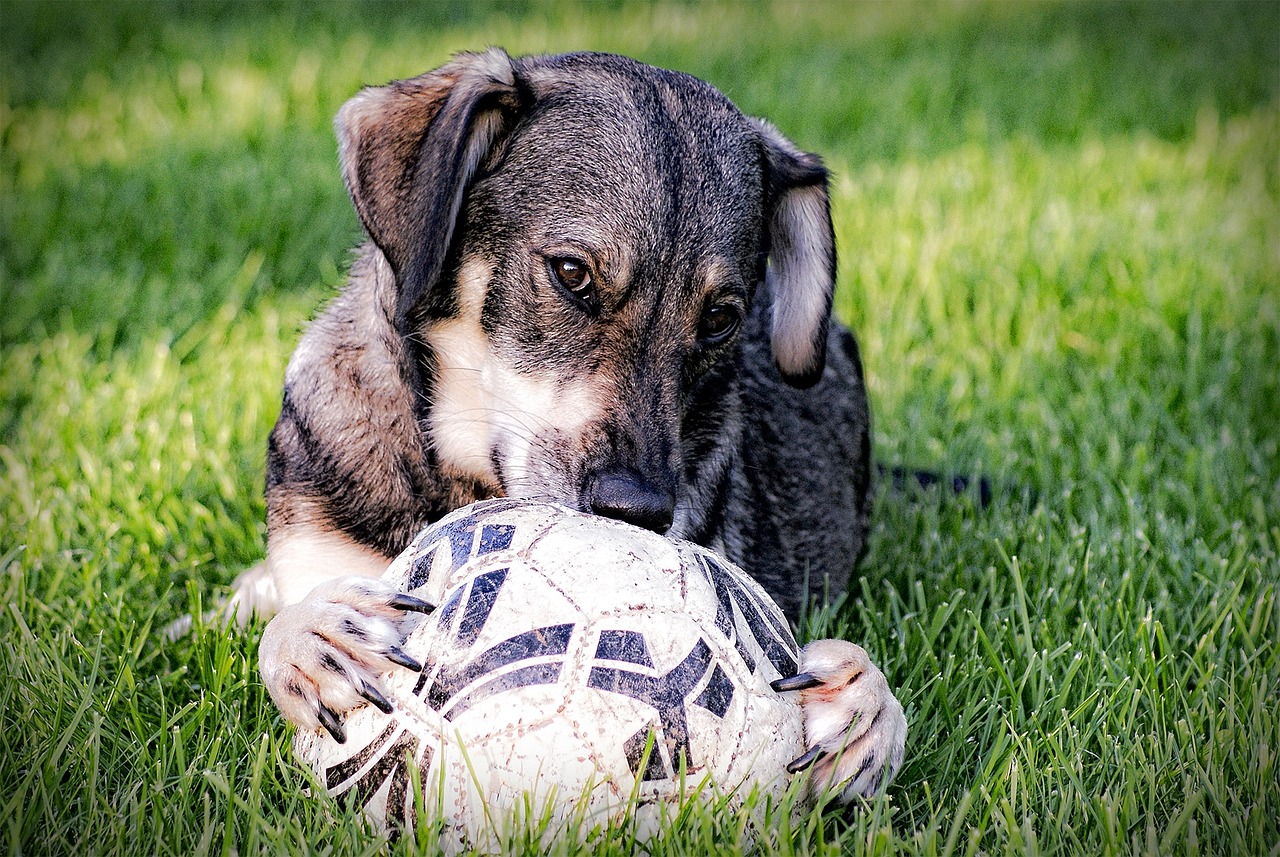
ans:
(574, 277)
(718, 323)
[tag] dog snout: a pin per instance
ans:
(623, 494)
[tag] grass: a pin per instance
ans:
(1060, 236)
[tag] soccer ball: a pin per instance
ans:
(576, 667)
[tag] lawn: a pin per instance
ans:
(1059, 228)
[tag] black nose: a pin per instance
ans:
(625, 495)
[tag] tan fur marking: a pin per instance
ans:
(304, 556)
(481, 403)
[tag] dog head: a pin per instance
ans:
(577, 242)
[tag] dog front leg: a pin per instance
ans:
(338, 628)
(854, 726)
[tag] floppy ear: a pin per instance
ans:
(802, 256)
(408, 151)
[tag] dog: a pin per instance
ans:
(587, 281)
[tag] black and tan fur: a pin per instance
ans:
(588, 281)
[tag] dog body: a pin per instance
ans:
(588, 281)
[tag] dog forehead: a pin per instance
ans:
(601, 110)
(627, 150)
(621, 84)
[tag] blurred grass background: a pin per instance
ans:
(1059, 227)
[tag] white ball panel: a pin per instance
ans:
(605, 565)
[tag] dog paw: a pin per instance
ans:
(854, 727)
(321, 657)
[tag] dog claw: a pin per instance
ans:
(332, 724)
(379, 701)
(799, 681)
(401, 601)
(810, 756)
(398, 656)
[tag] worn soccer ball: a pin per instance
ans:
(576, 667)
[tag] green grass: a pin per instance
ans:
(1059, 228)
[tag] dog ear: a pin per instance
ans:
(409, 150)
(802, 256)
